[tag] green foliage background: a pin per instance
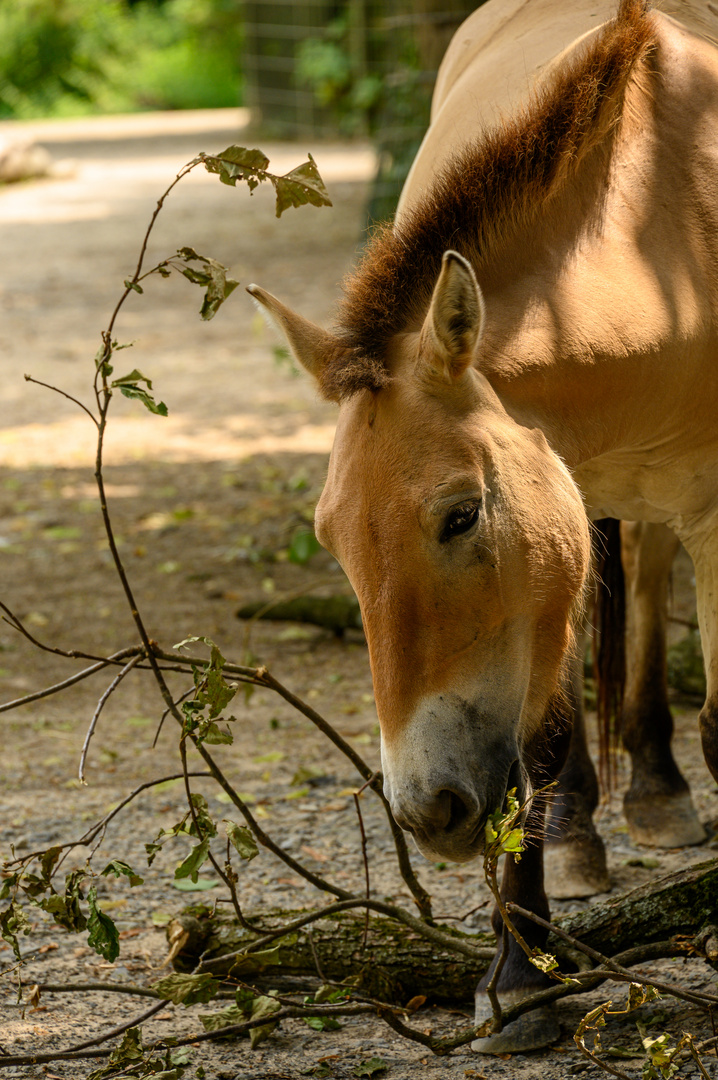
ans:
(75, 57)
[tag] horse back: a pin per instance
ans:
(501, 53)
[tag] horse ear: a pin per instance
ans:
(311, 345)
(454, 322)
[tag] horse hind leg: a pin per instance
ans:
(658, 806)
(574, 853)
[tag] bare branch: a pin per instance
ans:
(696, 997)
(74, 400)
(100, 706)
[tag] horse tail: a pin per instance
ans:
(608, 643)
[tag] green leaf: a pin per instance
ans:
(300, 186)
(216, 736)
(48, 861)
(248, 1008)
(133, 285)
(128, 1054)
(200, 885)
(213, 277)
(157, 407)
(217, 1021)
(67, 912)
(14, 921)
(304, 544)
(192, 640)
(187, 989)
(207, 826)
(622, 1052)
(103, 935)
(133, 377)
(121, 869)
(322, 1023)
(242, 840)
(263, 1006)
(373, 1067)
(238, 163)
(190, 867)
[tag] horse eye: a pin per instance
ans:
(459, 520)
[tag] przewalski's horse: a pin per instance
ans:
(532, 343)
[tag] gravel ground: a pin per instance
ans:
(205, 505)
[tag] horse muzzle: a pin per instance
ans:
(445, 772)
(447, 823)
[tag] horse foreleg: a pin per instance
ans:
(574, 854)
(658, 806)
(523, 883)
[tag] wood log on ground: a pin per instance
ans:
(398, 964)
(336, 613)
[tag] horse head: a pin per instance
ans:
(467, 544)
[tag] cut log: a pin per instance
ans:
(397, 964)
(337, 613)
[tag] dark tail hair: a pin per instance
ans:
(609, 643)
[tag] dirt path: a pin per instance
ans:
(205, 504)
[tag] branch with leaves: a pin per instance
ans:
(201, 714)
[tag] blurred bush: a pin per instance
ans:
(72, 57)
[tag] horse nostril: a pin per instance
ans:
(453, 808)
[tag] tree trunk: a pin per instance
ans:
(397, 964)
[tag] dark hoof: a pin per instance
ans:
(665, 821)
(531, 1031)
(576, 869)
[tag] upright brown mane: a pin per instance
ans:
(496, 184)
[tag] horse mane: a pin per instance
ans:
(496, 185)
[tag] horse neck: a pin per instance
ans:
(575, 323)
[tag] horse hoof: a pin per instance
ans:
(576, 869)
(531, 1031)
(665, 821)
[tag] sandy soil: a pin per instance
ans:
(205, 504)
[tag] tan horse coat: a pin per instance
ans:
(564, 362)
(533, 343)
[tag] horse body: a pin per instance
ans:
(532, 343)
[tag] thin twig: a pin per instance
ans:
(697, 998)
(100, 706)
(71, 654)
(90, 835)
(431, 933)
(422, 898)
(134, 1022)
(491, 991)
(220, 872)
(264, 839)
(366, 864)
(49, 690)
(48, 386)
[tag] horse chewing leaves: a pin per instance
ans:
(502, 837)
